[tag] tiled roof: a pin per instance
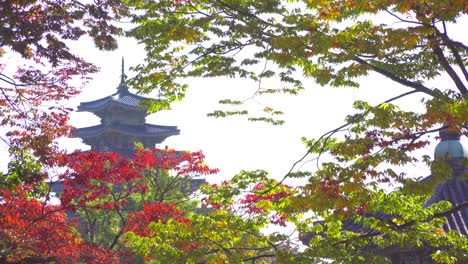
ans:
(122, 97)
(195, 184)
(139, 130)
(455, 191)
(350, 225)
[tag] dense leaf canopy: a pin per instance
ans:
(336, 43)
(133, 211)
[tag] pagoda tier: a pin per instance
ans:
(120, 138)
(120, 106)
(122, 123)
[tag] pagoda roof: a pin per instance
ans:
(122, 97)
(145, 130)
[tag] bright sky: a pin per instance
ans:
(234, 144)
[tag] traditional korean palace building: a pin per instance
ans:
(123, 122)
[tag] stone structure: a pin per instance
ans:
(122, 123)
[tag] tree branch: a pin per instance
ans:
(116, 238)
(446, 65)
(116, 207)
(244, 13)
(259, 257)
(401, 19)
(333, 131)
(438, 215)
(415, 85)
(453, 48)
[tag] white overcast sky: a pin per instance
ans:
(234, 144)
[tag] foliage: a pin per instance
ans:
(34, 229)
(104, 188)
(104, 195)
(335, 43)
(214, 234)
(26, 225)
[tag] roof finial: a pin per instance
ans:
(122, 74)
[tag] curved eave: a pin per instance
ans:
(107, 105)
(89, 132)
(114, 99)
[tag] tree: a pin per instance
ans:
(227, 230)
(31, 109)
(335, 43)
(106, 189)
(105, 195)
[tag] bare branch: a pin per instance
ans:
(333, 131)
(244, 13)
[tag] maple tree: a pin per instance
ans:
(104, 196)
(335, 43)
(108, 191)
(226, 229)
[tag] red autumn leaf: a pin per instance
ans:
(138, 222)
